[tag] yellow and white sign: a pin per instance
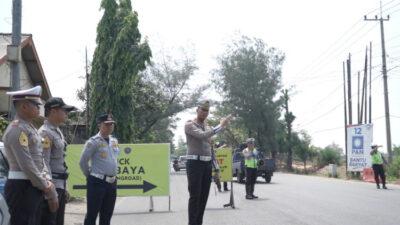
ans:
(224, 160)
(143, 170)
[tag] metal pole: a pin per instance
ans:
(16, 40)
(385, 86)
(358, 99)
(345, 111)
(87, 97)
(370, 81)
(349, 89)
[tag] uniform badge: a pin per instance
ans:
(15, 122)
(47, 142)
(103, 155)
(101, 145)
(23, 139)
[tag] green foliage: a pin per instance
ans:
(161, 92)
(392, 171)
(181, 149)
(3, 126)
(329, 156)
(249, 77)
(118, 58)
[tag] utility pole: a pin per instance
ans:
(385, 86)
(16, 42)
(345, 112)
(370, 81)
(349, 89)
(87, 96)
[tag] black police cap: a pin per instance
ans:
(55, 102)
(106, 118)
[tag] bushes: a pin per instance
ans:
(329, 156)
(392, 171)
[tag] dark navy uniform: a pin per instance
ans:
(101, 176)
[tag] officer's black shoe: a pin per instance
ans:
(254, 196)
(384, 187)
(378, 187)
(249, 197)
(219, 190)
(226, 189)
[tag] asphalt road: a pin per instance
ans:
(288, 199)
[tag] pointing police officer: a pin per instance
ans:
(28, 178)
(54, 147)
(200, 161)
(102, 151)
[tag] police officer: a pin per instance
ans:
(54, 147)
(200, 161)
(28, 178)
(102, 151)
(251, 162)
(377, 165)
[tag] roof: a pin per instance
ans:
(30, 58)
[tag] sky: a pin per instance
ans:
(316, 37)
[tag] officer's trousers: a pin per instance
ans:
(101, 197)
(251, 178)
(199, 182)
(23, 201)
(379, 171)
(48, 218)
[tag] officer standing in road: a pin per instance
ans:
(251, 162)
(54, 147)
(377, 165)
(200, 161)
(102, 151)
(28, 178)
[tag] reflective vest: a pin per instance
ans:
(252, 161)
(377, 158)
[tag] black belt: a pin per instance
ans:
(60, 176)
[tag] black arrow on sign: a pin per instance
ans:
(146, 186)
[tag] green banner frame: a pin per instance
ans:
(143, 170)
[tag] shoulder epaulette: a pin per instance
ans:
(15, 122)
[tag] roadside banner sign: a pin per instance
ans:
(224, 160)
(143, 170)
(359, 139)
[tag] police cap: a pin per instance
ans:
(53, 103)
(250, 141)
(106, 118)
(32, 95)
(204, 105)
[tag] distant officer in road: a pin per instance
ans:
(251, 162)
(200, 160)
(28, 178)
(377, 165)
(54, 147)
(102, 151)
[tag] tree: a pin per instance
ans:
(181, 149)
(336, 148)
(248, 77)
(288, 121)
(162, 91)
(119, 57)
(3, 126)
(302, 148)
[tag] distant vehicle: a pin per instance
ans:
(180, 163)
(3, 168)
(265, 169)
(4, 215)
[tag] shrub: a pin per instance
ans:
(393, 169)
(328, 156)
